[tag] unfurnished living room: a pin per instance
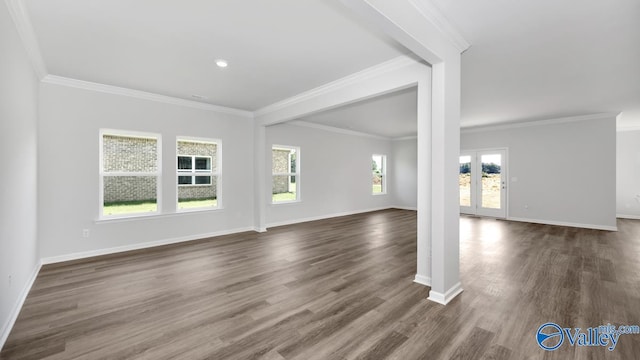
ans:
(319, 179)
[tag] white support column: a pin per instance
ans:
(423, 272)
(445, 150)
(420, 27)
(260, 208)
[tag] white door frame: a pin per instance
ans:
(476, 189)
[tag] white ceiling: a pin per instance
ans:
(275, 49)
(529, 60)
(392, 115)
(541, 59)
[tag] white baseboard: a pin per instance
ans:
(632, 217)
(406, 208)
(562, 223)
(13, 316)
(118, 249)
(323, 217)
(449, 295)
(422, 280)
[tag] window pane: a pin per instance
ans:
(203, 163)
(184, 163)
(284, 188)
(185, 180)
(129, 154)
(464, 180)
(292, 160)
(377, 164)
(201, 196)
(129, 195)
(280, 161)
(491, 181)
(201, 149)
(377, 184)
(203, 180)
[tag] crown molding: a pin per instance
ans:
(628, 128)
(555, 121)
(335, 129)
(430, 12)
(110, 89)
(29, 40)
(385, 67)
(410, 137)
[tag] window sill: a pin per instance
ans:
(286, 202)
(377, 194)
(107, 220)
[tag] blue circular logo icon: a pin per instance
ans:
(550, 336)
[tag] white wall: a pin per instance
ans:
(18, 174)
(335, 172)
(68, 171)
(628, 174)
(404, 172)
(565, 171)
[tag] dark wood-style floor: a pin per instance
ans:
(337, 289)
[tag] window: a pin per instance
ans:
(129, 173)
(285, 165)
(379, 172)
(198, 173)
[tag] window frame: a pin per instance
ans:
(296, 173)
(102, 174)
(383, 175)
(193, 172)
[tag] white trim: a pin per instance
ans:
(563, 223)
(116, 90)
(628, 128)
(624, 216)
(145, 245)
(385, 67)
(410, 208)
(13, 315)
(29, 39)
(411, 137)
(445, 298)
(422, 280)
(433, 15)
(555, 121)
(145, 216)
(324, 217)
(335, 129)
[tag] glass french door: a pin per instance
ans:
(482, 181)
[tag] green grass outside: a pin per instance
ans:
(129, 207)
(377, 189)
(286, 196)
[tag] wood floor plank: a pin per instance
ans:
(339, 288)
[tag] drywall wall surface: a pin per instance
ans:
(19, 258)
(405, 173)
(335, 173)
(562, 173)
(69, 171)
(628, 174)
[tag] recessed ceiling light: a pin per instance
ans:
(222, 63)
